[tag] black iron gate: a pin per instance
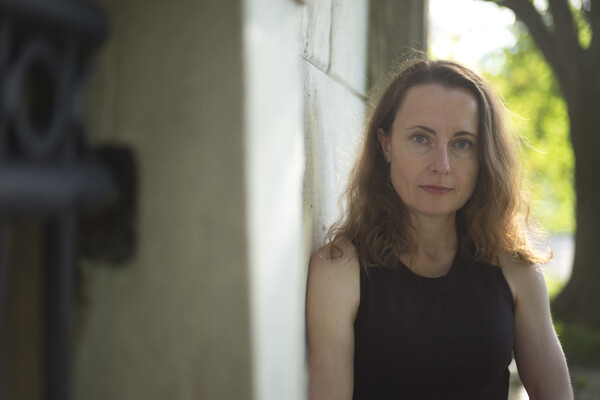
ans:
(46, 166)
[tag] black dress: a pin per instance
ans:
(433, 338)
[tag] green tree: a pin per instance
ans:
(567, 33)
(540, 116)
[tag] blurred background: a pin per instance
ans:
(167, 168)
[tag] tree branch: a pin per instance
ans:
(565, 30)
(545, 39)
(594, 49)
(567, 45)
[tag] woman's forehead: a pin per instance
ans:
(436, 107)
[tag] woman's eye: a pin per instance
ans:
(420, 139)
(464, 144)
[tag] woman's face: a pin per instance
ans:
(432, 149)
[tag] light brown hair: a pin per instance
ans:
(494, 219)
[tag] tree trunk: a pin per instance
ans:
(579, 302)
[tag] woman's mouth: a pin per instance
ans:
(434, 189)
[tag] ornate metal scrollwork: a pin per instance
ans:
(44, 58)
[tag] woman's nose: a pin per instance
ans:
(440, 162)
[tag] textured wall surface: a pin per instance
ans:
(334, 68)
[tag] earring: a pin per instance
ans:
(389, 182)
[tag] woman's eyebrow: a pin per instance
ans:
(465, 133)
(433, 132)
(423, 128)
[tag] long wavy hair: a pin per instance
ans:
(493, 221)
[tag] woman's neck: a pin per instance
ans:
(436, 246)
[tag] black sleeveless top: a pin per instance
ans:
(433, 338)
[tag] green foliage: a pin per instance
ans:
(582, 25)
(554, 286)
(580, 344)
(540, 115)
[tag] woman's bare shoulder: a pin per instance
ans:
(335, 274)
(340, 257)
(521, 278)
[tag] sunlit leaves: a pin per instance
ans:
(540, 115)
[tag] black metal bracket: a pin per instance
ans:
(47, 168)
(107, 232)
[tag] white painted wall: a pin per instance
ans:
(303, 120)
(274, 168)
(334, 77)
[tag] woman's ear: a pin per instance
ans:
(385, 140)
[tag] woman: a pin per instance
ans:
(428, 283)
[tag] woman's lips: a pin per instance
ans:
(434, 189)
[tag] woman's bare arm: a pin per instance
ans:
(332, 299)
(540, 360)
